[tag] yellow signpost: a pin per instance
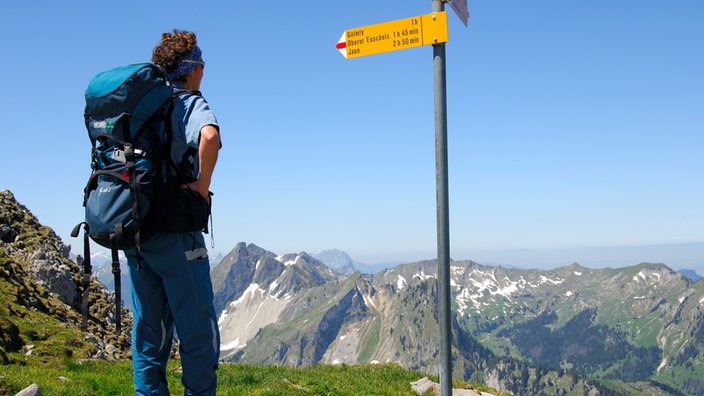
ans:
(394, 35)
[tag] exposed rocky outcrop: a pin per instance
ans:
(46, 268)
(42, 279)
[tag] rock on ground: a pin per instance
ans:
(32, 390)
(424, 384)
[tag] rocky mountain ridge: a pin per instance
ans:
(636, 325)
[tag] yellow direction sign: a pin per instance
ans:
(395, 35)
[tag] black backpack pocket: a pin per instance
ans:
(184, 210)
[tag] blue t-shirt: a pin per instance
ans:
(191, 113)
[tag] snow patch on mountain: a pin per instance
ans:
(544, 279)
(262, 307)
(648, 278)
(368, 301)
(484, 287)
(423, 276)
(401, 282)
(289, 262)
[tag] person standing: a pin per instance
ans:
(171, 285)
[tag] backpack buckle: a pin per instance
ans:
(118, 155)
(129, 153)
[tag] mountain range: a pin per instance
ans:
(569, 330)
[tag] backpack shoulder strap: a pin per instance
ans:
(179, 92)
(169, 128)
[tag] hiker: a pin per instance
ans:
(170, 272)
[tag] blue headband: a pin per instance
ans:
(184, 68)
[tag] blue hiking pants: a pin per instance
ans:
(173, 289)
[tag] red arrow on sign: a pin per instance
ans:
(342, 45)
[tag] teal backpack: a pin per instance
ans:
(127, 116)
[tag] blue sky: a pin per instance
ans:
(570, 123)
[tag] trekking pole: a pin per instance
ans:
(87, 271)
(118, 287)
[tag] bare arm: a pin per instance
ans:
(208, 148)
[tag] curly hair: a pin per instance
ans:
(172, 48)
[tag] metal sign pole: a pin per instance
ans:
(443, 222)
(407, 33)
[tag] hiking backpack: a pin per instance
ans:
(127, 116)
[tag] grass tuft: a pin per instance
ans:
(99, 378)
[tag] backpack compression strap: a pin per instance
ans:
(87, 270)
(129, 160)
(116, 273)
